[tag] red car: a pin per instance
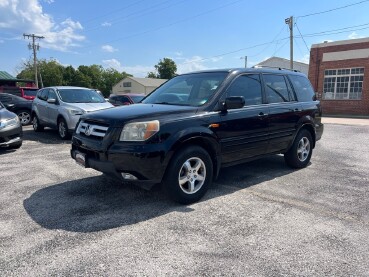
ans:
(126, 99)
(28, 93)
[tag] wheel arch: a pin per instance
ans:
(205, 141)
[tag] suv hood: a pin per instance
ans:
(90, 107)
(119, 115)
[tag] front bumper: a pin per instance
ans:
(144, 161)
(10, 135)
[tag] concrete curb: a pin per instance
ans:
(345, 121)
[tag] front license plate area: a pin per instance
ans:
(81, 159)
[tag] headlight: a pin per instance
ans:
(76, 112)
(9, 122)
(139, 131)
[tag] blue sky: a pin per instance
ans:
(132, 35)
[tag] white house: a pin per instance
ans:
(278, 62)
(137, 85)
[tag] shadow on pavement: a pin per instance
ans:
(100, 203)
(48, 136)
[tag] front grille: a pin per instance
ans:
(94, 130)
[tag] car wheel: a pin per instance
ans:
(24, 117)
(15, 145)
(36, 124)
(301, 150)
(63, 129)
(189, 175)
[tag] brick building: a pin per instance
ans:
(339, 72)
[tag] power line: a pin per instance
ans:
(340, 29)
(331, 10)
(170, 24)
(298, 29)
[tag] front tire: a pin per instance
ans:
(63, 129)
(189, 175)
(301, 150)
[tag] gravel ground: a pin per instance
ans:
(259, 218)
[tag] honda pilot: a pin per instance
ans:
(182, 133)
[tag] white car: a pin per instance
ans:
(61, 107)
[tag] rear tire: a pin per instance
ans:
(63, 129)
(301, 150)
(37, 127)
(189, 175)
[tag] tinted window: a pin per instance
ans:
(249, 87)
(14, 91)
(43, 94)
(276, 89)
(303, 88)
(137, 99)
(5, 98)
(123, 99)
(29, 92)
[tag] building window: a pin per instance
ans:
(346, 83)
(127, 84)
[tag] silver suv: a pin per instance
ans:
(61, 107)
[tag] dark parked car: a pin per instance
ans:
(196, 123)
(126, 99)
(19, 106)
(10, 129)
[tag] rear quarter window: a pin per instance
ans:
(303, 89)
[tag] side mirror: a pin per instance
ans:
(233, 102)
(51, 101)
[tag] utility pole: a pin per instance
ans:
(35, 47)
(245, 60)
(289, 21)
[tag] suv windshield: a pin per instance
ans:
(187, 90)
(80, 96)
(30, 91)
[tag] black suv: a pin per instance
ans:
(187, 129)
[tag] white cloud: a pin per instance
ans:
(195, 63)
(304, 59)
(354, 35)
(108, 48)
(106, 24)
(137, 70)
(49, 1)
(27, 16)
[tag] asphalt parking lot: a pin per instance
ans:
(259, 219)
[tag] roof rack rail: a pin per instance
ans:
(275, 67)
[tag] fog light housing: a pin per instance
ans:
(128, 176)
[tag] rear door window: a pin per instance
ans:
(276, 89)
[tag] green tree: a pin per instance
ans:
(152, 75)
(68, 75)
(50, 72)
(166, 68)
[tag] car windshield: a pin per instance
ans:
(30, 91)
(80, 96)
(1, 106)
(137, 99)
(187, 90)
